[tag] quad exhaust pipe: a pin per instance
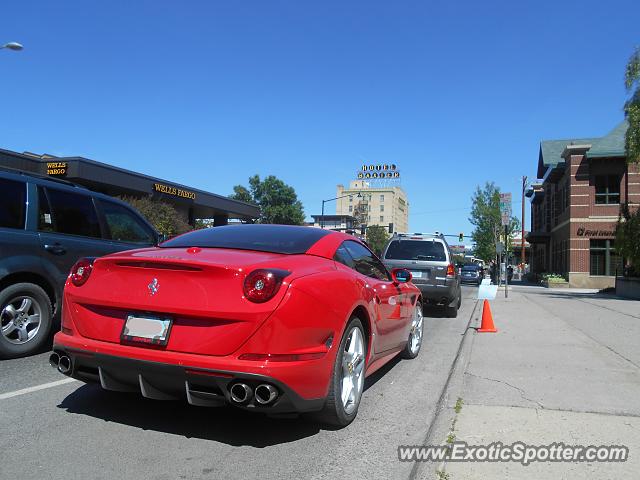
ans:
(241, 393)
(54, 360)
(61, 362)
(266, 394)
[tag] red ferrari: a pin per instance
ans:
(270, 318)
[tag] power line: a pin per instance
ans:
(453, 209)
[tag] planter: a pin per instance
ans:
(555, 283)
(628, 287)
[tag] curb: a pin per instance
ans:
(451, 389)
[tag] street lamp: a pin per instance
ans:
(359, 195)
(522, 254)
(12, 46)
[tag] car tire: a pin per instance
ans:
(21, 306)
(412, 349)
(451, 311)
(335, 412)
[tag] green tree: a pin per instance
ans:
(163, 216)
(627, 235)
(485, 217)
(242, 194)
(632, 108)
(377, 237)
(278, 201)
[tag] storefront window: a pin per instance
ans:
(607, 189)
(604, 260)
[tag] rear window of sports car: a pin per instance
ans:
(263, 238)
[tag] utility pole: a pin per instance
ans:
(506, 260)
(522, 256)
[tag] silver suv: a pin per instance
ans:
(428, 257)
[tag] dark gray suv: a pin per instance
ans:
(46, 225)
(430, 261)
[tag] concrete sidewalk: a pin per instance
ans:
(563, 367)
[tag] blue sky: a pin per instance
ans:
(207, 93)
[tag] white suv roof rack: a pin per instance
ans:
(416, 234)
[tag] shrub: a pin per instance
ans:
(163, 216)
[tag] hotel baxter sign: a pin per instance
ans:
(381, 170)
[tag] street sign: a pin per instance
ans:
(505, 208)
(499, 247)
(457, 248)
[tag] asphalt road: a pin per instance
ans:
(80, 431)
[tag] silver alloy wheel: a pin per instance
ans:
(20, 319)
(352, 371)
(415, 337)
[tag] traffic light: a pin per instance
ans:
(391, 228)
(461, 237)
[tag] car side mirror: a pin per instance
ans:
(401, 275)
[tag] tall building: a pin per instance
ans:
(374, 205)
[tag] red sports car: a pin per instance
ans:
(270, 318)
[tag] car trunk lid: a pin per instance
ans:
(200, 290)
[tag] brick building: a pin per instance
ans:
(576, 204)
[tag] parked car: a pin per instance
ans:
(471, 274)
(432, 267)
(269, 318)
(46, 225)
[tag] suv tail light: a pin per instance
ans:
(261, 285)
(81, 271)
(451, 270)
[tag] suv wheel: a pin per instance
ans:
(25, 319)
(452, 310)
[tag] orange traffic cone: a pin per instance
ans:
(487, 319)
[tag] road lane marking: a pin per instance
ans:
(24, 391)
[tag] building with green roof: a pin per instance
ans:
(575, 207)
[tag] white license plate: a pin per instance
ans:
(152, 330)
(416, 274)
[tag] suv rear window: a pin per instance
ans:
(13, 197)
(73, 214)
(416, 250)
(123, 224)
(262, 238)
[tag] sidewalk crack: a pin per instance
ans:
(520, 390)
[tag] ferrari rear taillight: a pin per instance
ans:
(451, 270)
(81, 271)
(261, 285)
(281, 357)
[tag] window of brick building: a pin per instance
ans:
(607, 189)
(604, 260)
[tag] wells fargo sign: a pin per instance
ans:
(175, 191)
(56, 168)
(583, 232)
(382, 170)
